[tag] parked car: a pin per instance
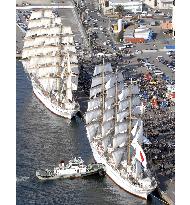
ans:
(158, 72)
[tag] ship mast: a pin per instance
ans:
(102, 95)
(129, 134)
(69, 85)
(60, 89)
(116, 100)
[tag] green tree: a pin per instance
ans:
(119, 9)
(120, 36)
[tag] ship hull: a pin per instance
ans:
(52, 107)
(115, 176)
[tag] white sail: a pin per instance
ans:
(66, 30)
(41, 41)
(106, 68)
(135, 101)
(73, 59)
(43, 22)
(108, 115)
(67, 39)
(92, 115)
(92, 130)
(110, 92)
(138, 169)
(69, 95)
(119, 140)
(46, 71)
(119, 77)
(134, 89)
(36, 14)
(107, 127)
(122, 115)
(127, 92)
(134, 130)
(95, 91)
(44, 60)
(124, 94)
(96, 81)
(74, 82)
(139, 133)
(105, 142)
(121, 128)
(48, 84)
(48, 13)
(52, 41)
(74, 69)
(123, 105)
(69, 48)
(117, 155)
(56, 21)
(111, 82)
(138, 110)
(49, 50)
(51, 31)
(93, 104)
(109, 102)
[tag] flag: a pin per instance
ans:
(140, 155)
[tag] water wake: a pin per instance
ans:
(22, 179)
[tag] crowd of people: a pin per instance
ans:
(159, 127)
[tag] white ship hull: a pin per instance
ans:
(115, 176)
(52, 107)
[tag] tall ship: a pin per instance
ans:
(115, 131)
(49, 57)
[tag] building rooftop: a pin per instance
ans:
(167, 1)
(124, 1)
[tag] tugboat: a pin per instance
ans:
(75, 168)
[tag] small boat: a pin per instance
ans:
(75, 168)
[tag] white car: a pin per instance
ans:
(147, 64)
(158, 72)
(138, 52)
(101, 28)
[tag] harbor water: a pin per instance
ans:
(42, 140)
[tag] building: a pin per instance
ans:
(160, 4)
(150, 3)
(129, 5)
(173, 19)
(138, 35)
(165, 4)
(167, 25)
(143, 32)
